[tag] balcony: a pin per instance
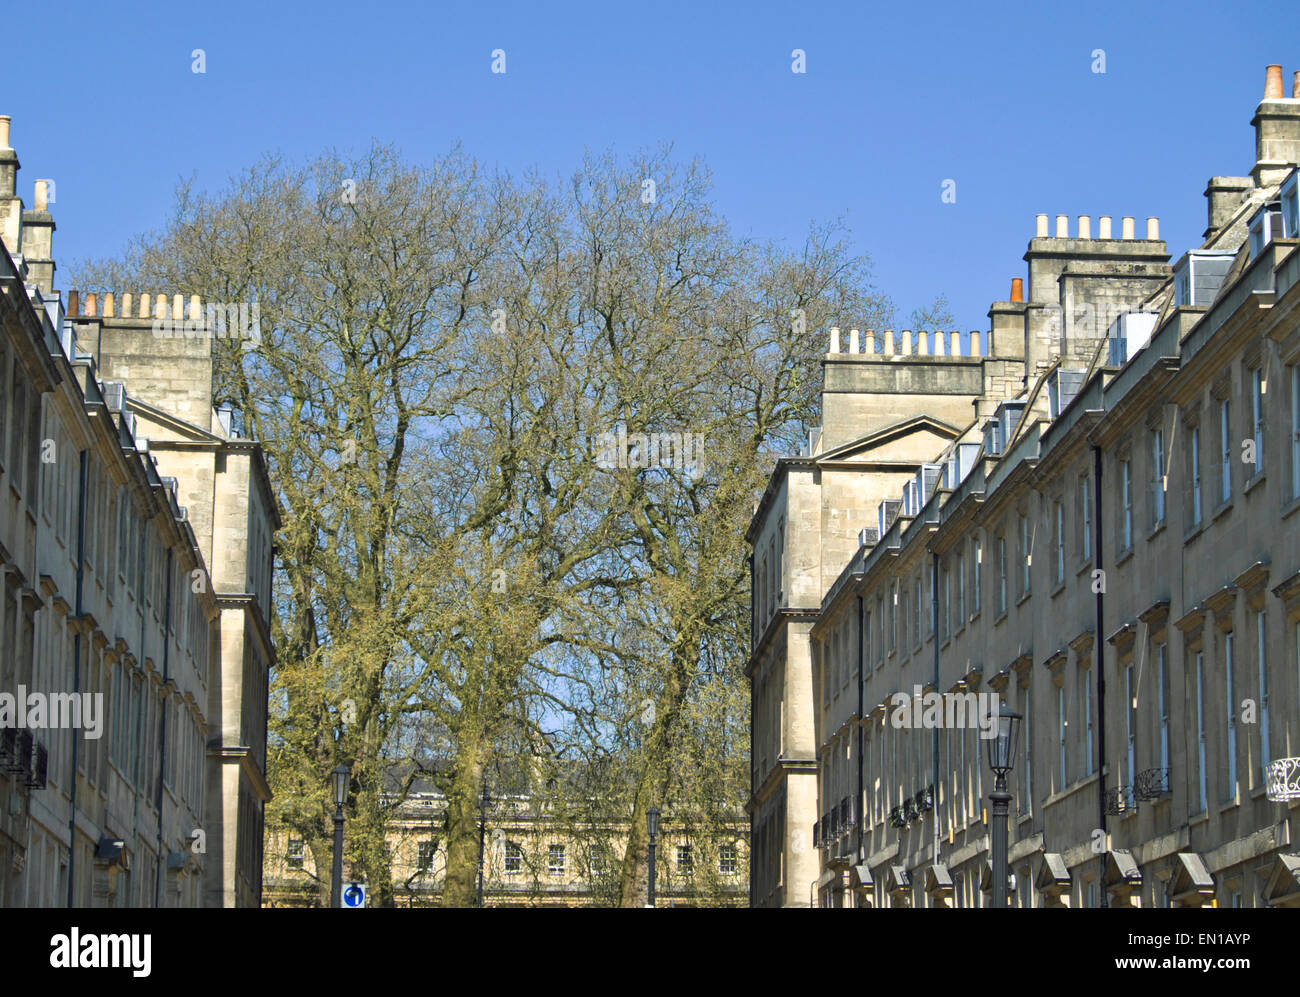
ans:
(1153, 784)
(24, 757)
(1283, 780)
(1120, 801)
(924, 800)
(17, 750)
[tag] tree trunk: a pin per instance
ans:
(460, 883)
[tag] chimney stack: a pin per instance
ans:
(1040, 231)
(1063, 226)
(37, 239)
(1103, 227)
(1277, 131)
(1017, 289)
(1153, 229)
(1126, 228)
(11, 205)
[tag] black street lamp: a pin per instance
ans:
(340, 778)
(652, 823)
(1002, 758)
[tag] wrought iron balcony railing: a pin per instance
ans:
(1151, 784)
(1120, 801)
(925, 799)
(1283, 780)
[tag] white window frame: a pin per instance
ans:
(1258, 386)
(1261, 652)
(1162, 677)
(1002, 574)
(1087, 722)
(1130, 731)
(1158, 477)
(1028, 804)
(1202, 775)
(1225, 457)
(687, 852)
(1295, 431)
(1230, 732)
(1085, 516)
(1194, 441)
(1062, 724)
(513, 859)
(727, 860)
(1026, 555)
(1126, 498)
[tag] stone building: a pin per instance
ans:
(135, 559)
(533, 857)
(1089, 514)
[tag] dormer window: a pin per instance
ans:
(992, 438)
(1131, 331)
(1265, 227)
(1290, 198)
(1062, 385)
(1198, 276)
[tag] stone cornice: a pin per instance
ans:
(1055, 664)
(1220, 600)
(1254, 577)
(1081, 644)
(1123, 637)
(1288, 590)
(1155, 614)
(1192, 621)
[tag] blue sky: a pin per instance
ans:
(896, 99)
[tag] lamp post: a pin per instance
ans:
(340, 777)
(1002, 758)
(652, 823)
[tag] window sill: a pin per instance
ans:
(1157, 529)
(1060, 587)
(1123, 556)
(1252, 482)
(1025, 597)
(1001, 618)
(1083, 566)
(1199, 818)
(974, 616)
(1193, 532)
(1222, 510)
(1230, 804)
(1290, 508)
